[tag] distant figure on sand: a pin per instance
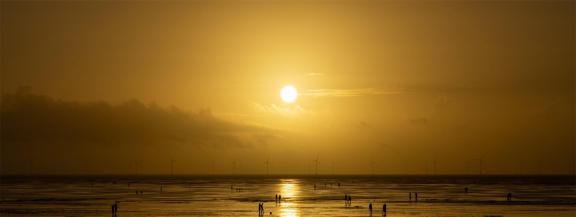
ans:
(410, 196)
(115, 209)
(279, 198)
(384, 210)
(260, 209)
(466, 190)
(370, 207)
(415, 196)
(276, 198)
(509, 196)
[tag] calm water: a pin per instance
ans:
(239, 196)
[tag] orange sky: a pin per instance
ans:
(387, 87)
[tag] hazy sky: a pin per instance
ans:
(407, 87)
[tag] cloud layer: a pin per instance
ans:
(347, 92)
(37, 118)
(43, 128)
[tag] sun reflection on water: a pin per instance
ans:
(289, 190)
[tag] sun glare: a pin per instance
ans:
(289, 94)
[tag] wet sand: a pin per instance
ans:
(240, 195)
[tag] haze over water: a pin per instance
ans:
(240, 195)
(94, 90)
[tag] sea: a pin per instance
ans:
(176, 196)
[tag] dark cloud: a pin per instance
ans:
(55, 128)
(31, 118)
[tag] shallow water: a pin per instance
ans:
(240, 195)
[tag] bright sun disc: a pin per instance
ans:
(289, 94)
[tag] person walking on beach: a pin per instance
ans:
(370, 208)
(115, 209)
(260, 209)
(416, 196)
(410, 196)
(509, 196)
(279, 198)
(384, 210)
(276, 198)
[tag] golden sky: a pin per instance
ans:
(386, 87)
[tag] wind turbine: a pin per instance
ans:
(267, 163)
(316, 162)
(171, 167)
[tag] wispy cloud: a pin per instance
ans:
(348, 92)
(278, 109)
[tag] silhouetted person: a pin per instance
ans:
(466, 190)
(349, 200)
(279, 198)
(260, 209)
(384, 209)
(410, 196)
(115, 209)
(509, 196)
(276, 198)
(314, 187)
(370, 207)
(415, 196)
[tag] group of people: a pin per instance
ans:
(233, 188)
(326, 185)
(383, 209)
(508, 196)
(347, 200)
(115, 209)
(415, 196)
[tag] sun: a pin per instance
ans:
(289, 94)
